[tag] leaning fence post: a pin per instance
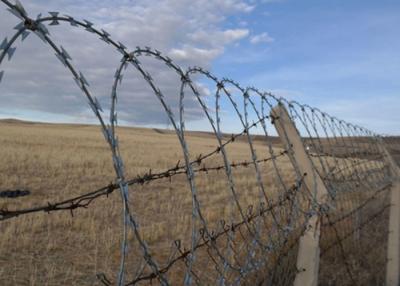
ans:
(308, 253)
(393, 249)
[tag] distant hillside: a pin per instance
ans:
(203, 134)
(16, 121)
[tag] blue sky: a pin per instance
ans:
(340, 56)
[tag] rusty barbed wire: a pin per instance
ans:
(84, 200)
(225, 229)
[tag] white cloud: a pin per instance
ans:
(261, 38)
(191, 54)
(218, 38)
(190, 32)
(236, 5)
(234, 35)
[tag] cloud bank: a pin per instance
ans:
(190, 32)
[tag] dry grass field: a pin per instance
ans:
(56, 162)
(59, 161)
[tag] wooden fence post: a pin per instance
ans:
(393, 249)
(308, 253)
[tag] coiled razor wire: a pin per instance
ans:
(257, 244)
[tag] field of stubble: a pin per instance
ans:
(56, 162)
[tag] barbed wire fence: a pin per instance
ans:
(255, 244)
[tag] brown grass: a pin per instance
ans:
(58, 161)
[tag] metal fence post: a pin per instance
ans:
(393, 249)
(308, 253)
